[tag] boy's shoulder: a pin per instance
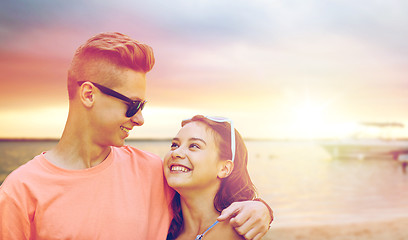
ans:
(141, 156)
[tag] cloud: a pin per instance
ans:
(227, 56)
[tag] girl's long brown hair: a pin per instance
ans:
(236, 187)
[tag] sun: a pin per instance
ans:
(308, 119)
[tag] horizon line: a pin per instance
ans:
(27, 139)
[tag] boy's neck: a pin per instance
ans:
(75, 150)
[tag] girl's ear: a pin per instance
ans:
(225, 169)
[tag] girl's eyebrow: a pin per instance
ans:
(191, 139)
(198, 139)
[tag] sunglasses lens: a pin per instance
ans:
(218, 119)
(134, 108)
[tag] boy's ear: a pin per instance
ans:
(225, 168)
(86, 94)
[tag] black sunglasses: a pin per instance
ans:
(133, 106)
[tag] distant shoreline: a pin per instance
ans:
(57, 139)
(169, 139)
(29, 139)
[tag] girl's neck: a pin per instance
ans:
(198, 214)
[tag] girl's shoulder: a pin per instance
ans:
(223, 230)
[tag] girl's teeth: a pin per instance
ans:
(179, 168)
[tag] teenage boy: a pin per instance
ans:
(91, 186)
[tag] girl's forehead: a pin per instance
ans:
(196, 129)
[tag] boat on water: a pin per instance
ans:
(362, 146)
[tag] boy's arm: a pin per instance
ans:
(251, 219)
(12, 223)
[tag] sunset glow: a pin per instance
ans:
(280, 70)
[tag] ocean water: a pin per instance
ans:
(300, 180)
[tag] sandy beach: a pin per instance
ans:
(385, 230)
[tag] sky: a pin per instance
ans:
(279, 69)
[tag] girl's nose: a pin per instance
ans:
(178, 153)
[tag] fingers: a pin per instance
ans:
(248, 228)
(253, 235)
(249, 223)
(241, 220)
(229, 212)
(259, 236)
(250, 219)
(253, 232)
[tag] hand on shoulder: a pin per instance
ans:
(223, 230)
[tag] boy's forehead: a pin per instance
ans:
(133, 84)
